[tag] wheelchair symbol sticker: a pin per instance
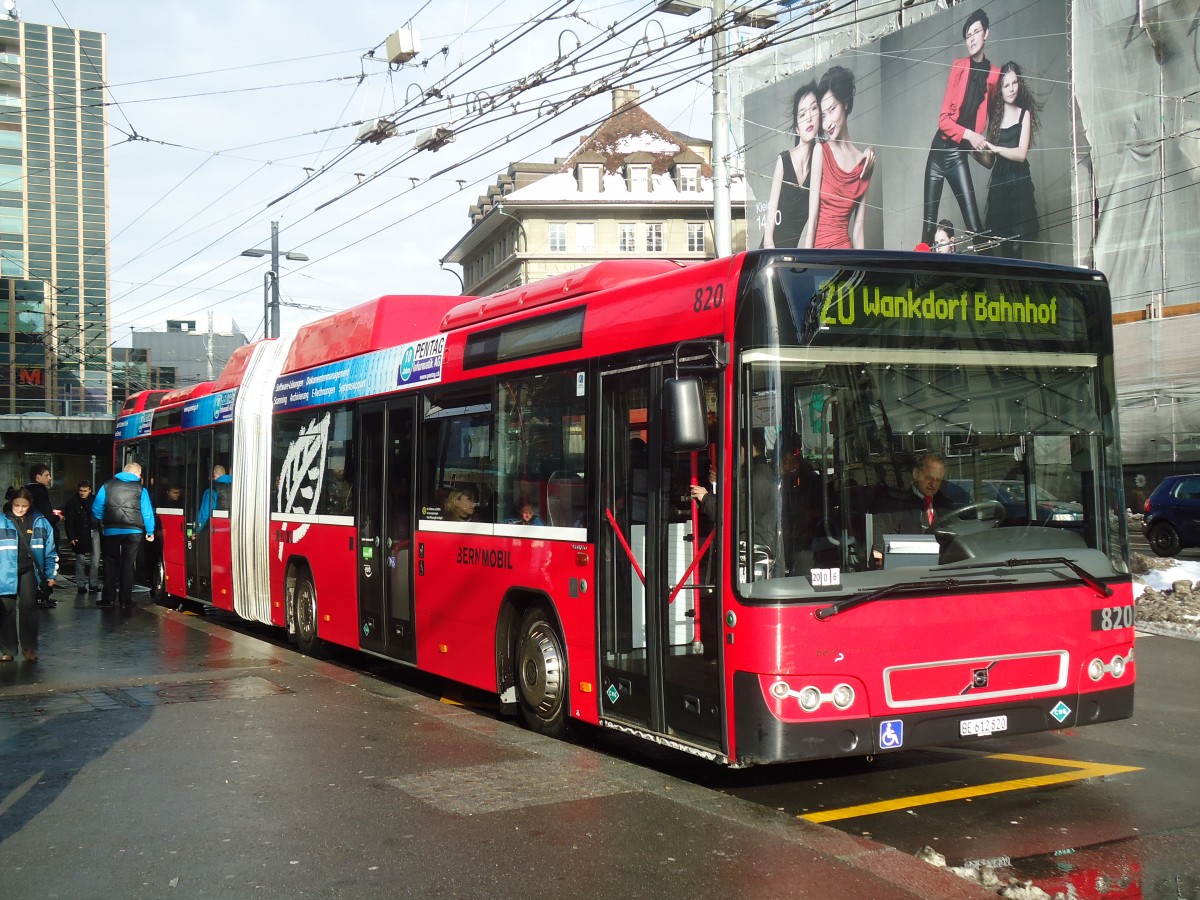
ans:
(891, 734)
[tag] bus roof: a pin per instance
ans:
(373, 325)
(235, 369)
(183, 394)
(142, 401)
(588, 280)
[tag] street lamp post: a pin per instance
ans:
(722, 214)
(756, 17)
(271, 281)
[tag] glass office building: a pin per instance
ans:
(54, 355)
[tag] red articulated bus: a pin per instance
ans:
(677, 501)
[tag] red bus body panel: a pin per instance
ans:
(222, 565)
(459, 597)
(173, 549)
(944, 640)
(330, 554)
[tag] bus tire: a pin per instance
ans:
(304, 613)
(540, 670)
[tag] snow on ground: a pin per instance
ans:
(1168, 595)
(1161, 579)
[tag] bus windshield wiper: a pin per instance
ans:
(1083, 574)
(941, 584)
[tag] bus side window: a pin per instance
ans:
(566, 499)
(540, 454)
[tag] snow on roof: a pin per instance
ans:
(563, 188)
(646, 142)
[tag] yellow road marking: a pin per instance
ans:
(1079, 771)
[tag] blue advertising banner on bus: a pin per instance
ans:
(395, 368)
(209, 410)
(134, 426)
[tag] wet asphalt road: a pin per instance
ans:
(1124, 835)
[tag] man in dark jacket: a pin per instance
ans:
(40, 479)
(126, 514)
(84, 535)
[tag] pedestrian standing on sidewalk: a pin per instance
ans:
(40, 479)
(28, 558)
(126, 514)
(83, 531)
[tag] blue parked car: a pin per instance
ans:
(1172, 515)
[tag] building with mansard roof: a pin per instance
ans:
(632, 189)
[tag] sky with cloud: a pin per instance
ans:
(227, 115)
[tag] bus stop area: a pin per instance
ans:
(154, 753)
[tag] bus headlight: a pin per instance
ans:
(1117, 666)
(1095, 670)
(843, 696)
(809, 699)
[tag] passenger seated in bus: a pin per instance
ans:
(460, 506)
(525, 514)
(216, 497)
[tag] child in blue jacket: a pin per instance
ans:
(28, 558)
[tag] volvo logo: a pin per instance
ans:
(979, 679)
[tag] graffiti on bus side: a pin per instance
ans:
(303, 471)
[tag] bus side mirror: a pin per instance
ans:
(684, 412)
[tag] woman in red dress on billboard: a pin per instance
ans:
(845, 170)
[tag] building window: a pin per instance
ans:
(639, 179)
(627, 237)
(695, 238)
(589, 179)
(689, 179)
(11, 178)
(654, 237)
(558, 237)
(585, 237)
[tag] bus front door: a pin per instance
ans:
(383, 485)
(658, 597)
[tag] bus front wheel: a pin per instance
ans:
(304, 615)
(541, 674)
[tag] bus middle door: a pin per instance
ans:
(383, 485)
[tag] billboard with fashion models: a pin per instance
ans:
(953, 132)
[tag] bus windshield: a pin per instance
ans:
(885, 442)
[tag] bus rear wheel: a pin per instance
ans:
(541, 674)
(304, 615)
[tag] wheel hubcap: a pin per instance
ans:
(306, 612)
(541, 670)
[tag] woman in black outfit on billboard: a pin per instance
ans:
(1011, 211)
(793, 204)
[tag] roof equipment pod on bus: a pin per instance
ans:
(373, 325)
(588, 280)
(183, 394)
(143, 401)
(683, 406)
